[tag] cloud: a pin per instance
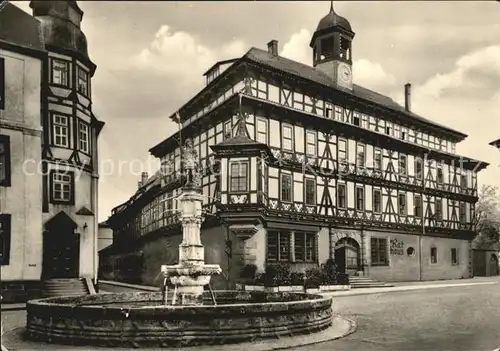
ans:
(474, 74)
(181, 55)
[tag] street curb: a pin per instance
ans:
(263, 345)
(405, 289)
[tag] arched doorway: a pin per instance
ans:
(494, 269)
(61, 248)
(347, 255)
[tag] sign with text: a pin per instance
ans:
(397, 247)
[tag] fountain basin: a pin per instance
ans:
(140, 319)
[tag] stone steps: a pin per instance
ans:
(64, 287)
(366, 282)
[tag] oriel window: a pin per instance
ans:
(60, 130)
(84, 137)
(239, 176)
(60, 72)
(61, 187)
(83, 82)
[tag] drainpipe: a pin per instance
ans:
(420, 238)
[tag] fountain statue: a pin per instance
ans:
(191, 274)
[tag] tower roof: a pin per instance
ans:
(331, 20)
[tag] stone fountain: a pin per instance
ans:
(189, 316)
(191, 275)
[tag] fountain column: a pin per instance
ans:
(191, 274)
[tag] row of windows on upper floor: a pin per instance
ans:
(60, 76)
(303, 102)
(293, 138)
(62, 127)
(313, 105)
(239, 183)
(162, 210)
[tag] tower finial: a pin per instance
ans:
(331, 5)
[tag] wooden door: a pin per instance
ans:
(61, 255)
(340, 258)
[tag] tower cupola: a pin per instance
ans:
(61, 22)
(332, 48)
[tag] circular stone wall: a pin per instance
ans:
(139, 319)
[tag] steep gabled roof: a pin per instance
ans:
(314, 75)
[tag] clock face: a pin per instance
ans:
(345, 73)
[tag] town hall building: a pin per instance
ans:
(48, 152)
(299, 164)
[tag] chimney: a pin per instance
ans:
(144, 177)
(139, 184)
(408, 97)
(272, 47)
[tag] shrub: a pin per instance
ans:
(329, 272)
(248, 273)
(297, 278)
(276, 275)
(314, 278)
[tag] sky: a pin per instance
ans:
(150, 59)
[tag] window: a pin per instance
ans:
(377, 201)
(341, 196)
(262, 131)
(377, 158)
(417, 206)
(463, 181)
(438, 209)
(356, 119)
(360, 199)
(305, 246)
(338, 113)
(310, 191)
(239, 176)
(402, 165)
(5, 232)
(360, 156)
(5, 160)
(461, 212)
(454, 256)
(311, 143)
(287, 138)
(439, 176)
(83, 82)
(84, 137)
(62, 187)
(434, 255)
(278, 246)
(60, 72)
(388, 129)
(228, 130)
(61, 131)
(379, 252)
(402, 204)
(286, 187)
(342, 151)
(419, 169)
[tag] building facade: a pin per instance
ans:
(21, 60)
(66, 169)
(299, 164)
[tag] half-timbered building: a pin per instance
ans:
(67, 170)
(299, 164)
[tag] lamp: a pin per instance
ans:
(85, 226)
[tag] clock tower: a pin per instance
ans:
(332, 48)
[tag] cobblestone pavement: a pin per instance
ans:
(452, 318)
